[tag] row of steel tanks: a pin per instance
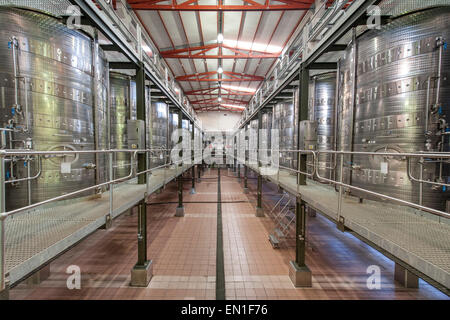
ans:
(395, 98)
(390, 94)
(56, 93)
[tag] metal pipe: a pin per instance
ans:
(336, 114)
(341, 178)
(427, 105)
(439, 75)
(29, 178)
(28, 182)
(15, 44)
(13, 152)
(421, 178)
(2, 224)
(26, 116)
(411, 177)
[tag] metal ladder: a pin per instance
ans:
(283, 220)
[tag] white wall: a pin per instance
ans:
(217, 121)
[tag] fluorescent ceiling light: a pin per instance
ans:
(220, 70)
(246, 45)
(235, 88)
(220, 38)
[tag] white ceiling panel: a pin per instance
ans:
(190, 24)
(174, 27)
(209, 26)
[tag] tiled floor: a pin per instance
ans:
(184, 255)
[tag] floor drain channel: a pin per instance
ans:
(220, 269)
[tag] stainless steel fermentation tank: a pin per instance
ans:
(266, 137)
(394, 98)
(285, 119)
(53, 96)
(159, 132)
(123, 109)
(173, 125)
(253, 142)
(322, 93)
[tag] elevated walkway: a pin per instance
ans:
(37, 236)
(417, 238)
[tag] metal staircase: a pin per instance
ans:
(283, 219)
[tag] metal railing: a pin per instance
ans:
(439, 156)
(28, 154)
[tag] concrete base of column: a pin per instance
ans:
(311, 212)
(4, 294)
(246, 191)
(193, 191)
(405, 277)
(132, 211)
(39, 276)
(301, 277)
(259, 212)
(141, 275)
(179, 212)
(341, 224)
(108, 223)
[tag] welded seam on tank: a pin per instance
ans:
(220, 268)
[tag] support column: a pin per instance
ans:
(298, 271)
(246, 191)
(246, 179)
(234, 154)
(142, 272)
(259, 208)
(405, 277)
(239, 172)
(193, 157)
(39, 276)
(180, 208)
(303, 115)
(140, 112)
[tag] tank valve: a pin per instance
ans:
(89, 166)
(428, 145)
(29, 143)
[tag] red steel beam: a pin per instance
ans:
(209, 91)
(215, 101)
(192, 5)
(208, 77)
(199, 52)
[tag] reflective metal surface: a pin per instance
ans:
(285, 118)
(123, 108)
(159, 131)
(253, 142)
(322, 94)
(400, 106)
(266, 137)
(173, 125)
(54, 107)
